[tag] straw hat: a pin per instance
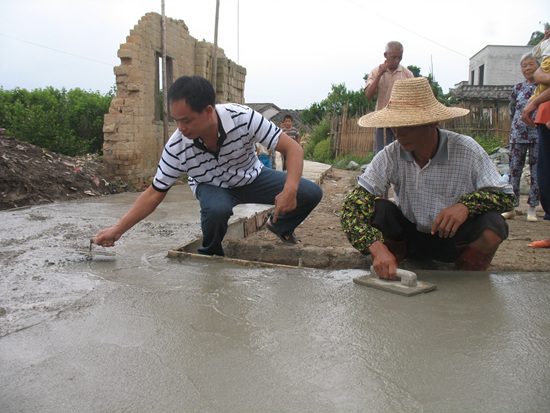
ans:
(412, 103)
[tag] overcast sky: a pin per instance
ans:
(293, 50)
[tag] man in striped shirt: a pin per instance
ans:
(215, 146)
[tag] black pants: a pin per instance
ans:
(389, 219)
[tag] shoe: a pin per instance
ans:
(540, 244)
(531, 214)
(289, 239)
(509, 215)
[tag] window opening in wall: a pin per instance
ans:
(158, 82)
(481, 74)
(472, 77)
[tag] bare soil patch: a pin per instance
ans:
(30, 175)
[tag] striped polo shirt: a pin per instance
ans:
(460, 166)
(236, 163)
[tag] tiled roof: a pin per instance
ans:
(491, 92)
(262, 107)
(278, 118)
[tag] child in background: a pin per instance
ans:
(264, 154)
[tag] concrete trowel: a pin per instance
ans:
(407, 286)
(101, 253)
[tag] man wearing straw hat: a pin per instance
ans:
(448, 195)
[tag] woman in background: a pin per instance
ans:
(523, 138)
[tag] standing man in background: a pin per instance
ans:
(380, 81)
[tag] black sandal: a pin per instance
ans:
(288, 239)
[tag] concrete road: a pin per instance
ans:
(139, 332)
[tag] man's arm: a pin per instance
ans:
(286, 200)
(355, 217)
(372, 87)
(450, 219)
(531, 107)
(146, 203)
(483, 201)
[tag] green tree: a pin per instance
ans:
(86, 116)
(334, 103)
(69, 123)
(415, 70)
(321, 131)
(537, 36)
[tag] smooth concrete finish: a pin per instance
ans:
(139, 332)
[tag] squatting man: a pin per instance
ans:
(215, 146)
(448, 195)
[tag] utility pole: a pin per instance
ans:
(164, 76)
(215, 53)
(238, 29)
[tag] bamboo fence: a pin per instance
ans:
(347, 137)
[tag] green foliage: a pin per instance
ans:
(340, 96)
(320, 132)
(322, 152)
(69, 123)
(537, 36)
(415, 70)
(491, 144)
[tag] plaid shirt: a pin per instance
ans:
(460, 166)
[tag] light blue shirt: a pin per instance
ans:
(460, 166)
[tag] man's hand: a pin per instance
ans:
(107, 237)
(527, 114)
(284, 202)
(383, 67)
(449, 220)
(383, 261)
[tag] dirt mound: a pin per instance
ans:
(30, 175)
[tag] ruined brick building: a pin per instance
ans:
(134, 135)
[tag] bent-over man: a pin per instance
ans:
(215, 146)
(448, 195)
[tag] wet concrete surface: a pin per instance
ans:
(140, 332)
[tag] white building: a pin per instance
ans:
(497, 65)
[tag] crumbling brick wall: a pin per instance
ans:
(133, 129)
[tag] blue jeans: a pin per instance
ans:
(543, 168)
(217, 206)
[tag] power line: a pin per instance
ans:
(407, 29)
(56, 50)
